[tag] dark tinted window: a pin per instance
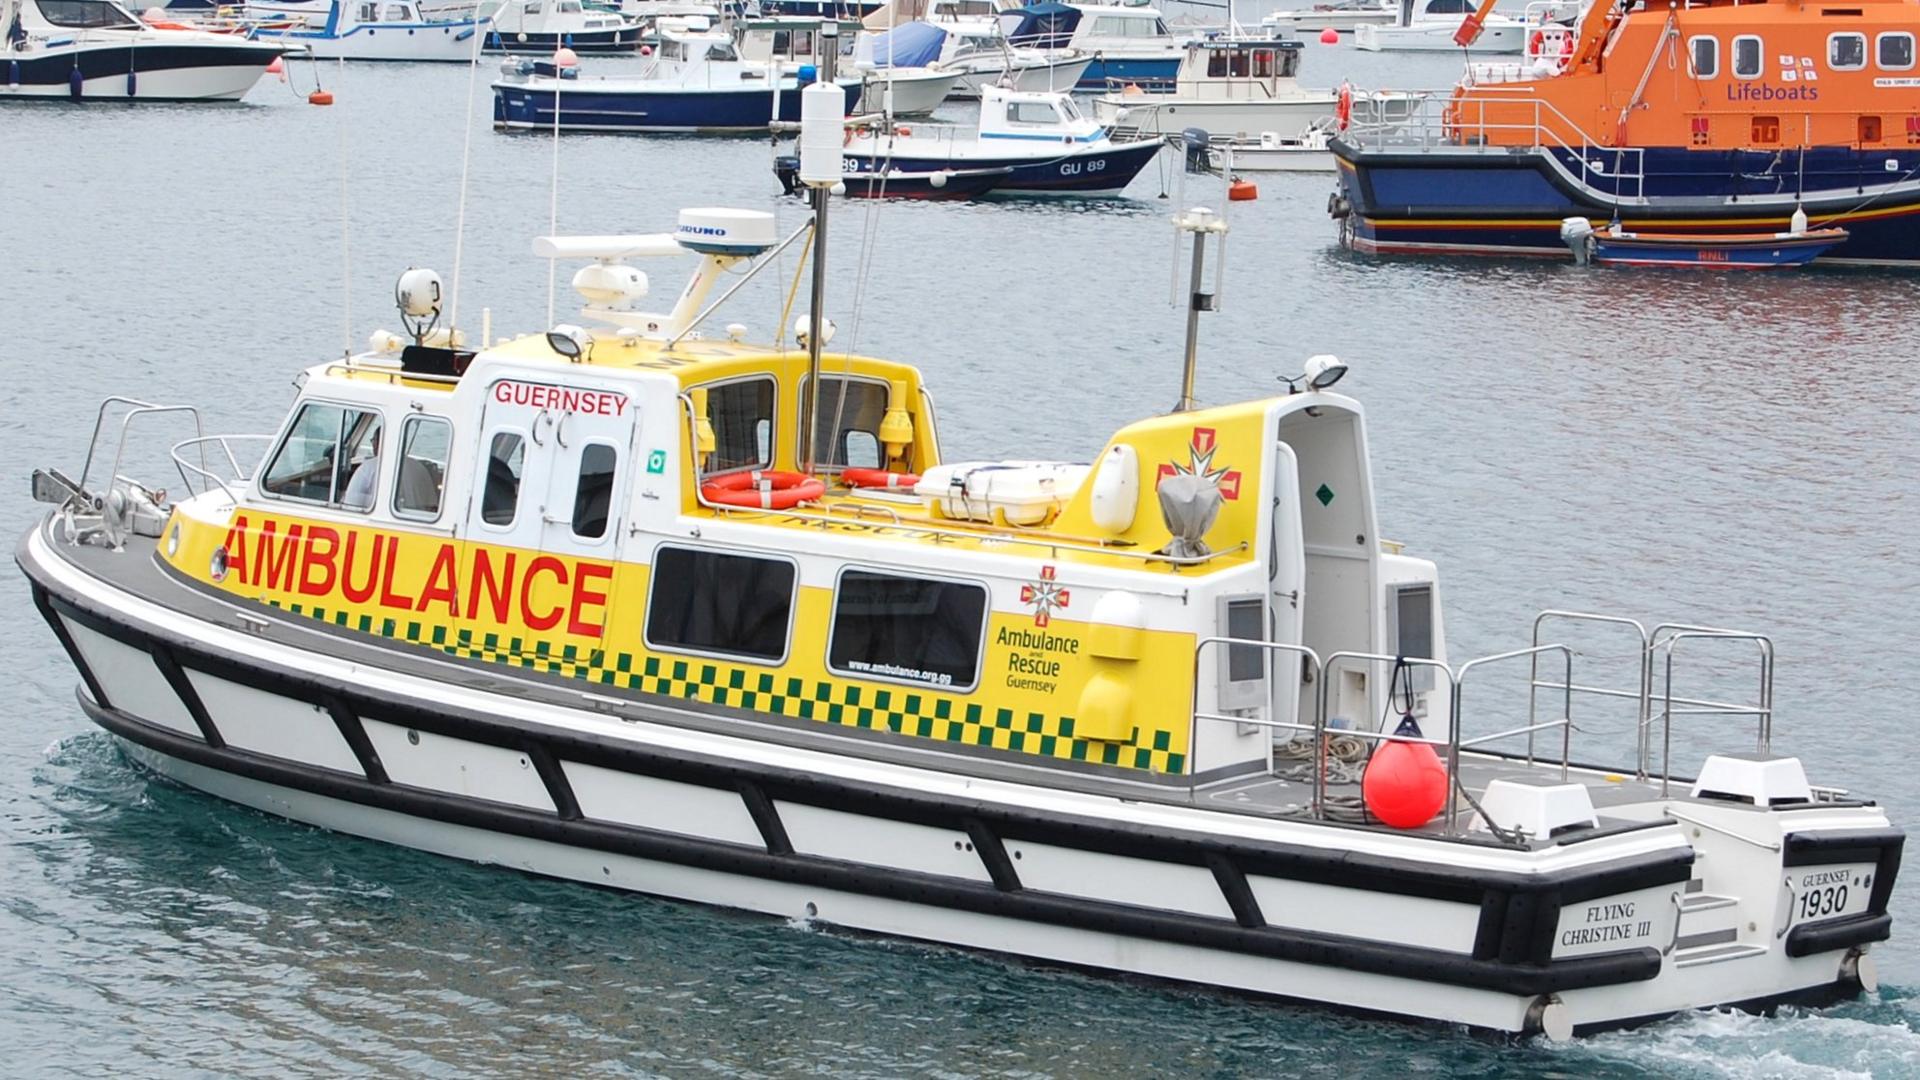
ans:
(594, 494)
(501, 496)
(425, 444)
(1746, 57)
(707, 602)
(83, 14)
(1706, 57)
(1246, 621)
(849, 429)
(1896, 51)
(907, 628)
(742, 418)
(1847, 52)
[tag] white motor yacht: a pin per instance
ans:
(1129, 45)
(1343, 16)
(895, 80)
(88, 49)
(1433, 26)
(541, 26)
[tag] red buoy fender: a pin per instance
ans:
(879, 478)
(1343, 106)
(1405, 784)
(763, 489)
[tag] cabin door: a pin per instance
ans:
(553, 466)
(1292, 684)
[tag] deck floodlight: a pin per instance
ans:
(1323, 371)
(568, 340)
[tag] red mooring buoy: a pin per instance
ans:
(1405, 783)
(1242, 190)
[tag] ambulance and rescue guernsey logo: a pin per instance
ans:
(1200, 463)
(1045, 595)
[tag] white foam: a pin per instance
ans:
(1797, 1044)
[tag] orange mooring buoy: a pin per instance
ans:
(320, 97)
(278, 67)
(1239, 190)
(1405, 783)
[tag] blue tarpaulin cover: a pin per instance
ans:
(1044, 26)
(914, 44)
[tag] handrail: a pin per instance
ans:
(1452, 742)
(1767, 845)
(188, 470)
(1532, 654)
(1642, 729)
(137, 408)
(1763, 710)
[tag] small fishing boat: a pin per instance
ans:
(1238, 86)
(380, 30)
(1129, 45)
(695, 82)
(1613, 245)
(1050, 146)
(540, 27)
(974, 45)
(944, 185)
(1270, 151)
(85, 50)
(1343, 16)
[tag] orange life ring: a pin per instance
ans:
(1566, 45)
(1343, 106)
(1536, 44)
(879, 478)
(763, 489)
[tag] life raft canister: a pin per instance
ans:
(763, 489)
(879, 478)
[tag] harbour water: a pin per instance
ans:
(1742, 450)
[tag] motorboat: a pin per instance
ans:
(1051, 146)
(1607, 125)
(897, 78)
(97, 50)
(975, 46)
(1431, 26)
(1265, 152)
(1129, 45)
(695, 82)
(1343, 16)
(1613, 245)
(541, 27)
(380, 30)
(1240, 86)
(637, 602)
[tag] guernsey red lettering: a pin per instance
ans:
(541, 592)
(560, 398)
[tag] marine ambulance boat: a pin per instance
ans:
(1711, 117)
(593, 604)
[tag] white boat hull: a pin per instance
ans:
(1027, 78)
(503, 772)
(211, 67)
(914, 92)
(1503, 36)
(452, 44)
(1283, 159)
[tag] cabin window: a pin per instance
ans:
(500, 498)
(1216, 64)
(1748, 55)
(398, 13)
(1846, 52)
(907, 629)
(1412, 629)
(593, 493)
(369, 12)
(1243, 668)
(331, 452)
(848, 433)
(1032, 112)
(1706, 57)
(83, 14)
(1894, 51)
(709, 603)
(425, 444)
(1263, 63)
(742, 417)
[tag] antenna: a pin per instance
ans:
(823, 112)
(1201, 222)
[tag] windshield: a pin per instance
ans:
(85, 14)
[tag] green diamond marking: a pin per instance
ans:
(1324, 494)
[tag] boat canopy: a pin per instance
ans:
(915, 44)
(1042, 26)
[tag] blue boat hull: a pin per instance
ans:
(599, 41)
(1154, 76)
(1500, 202)
(584, 108)
(1079, 171)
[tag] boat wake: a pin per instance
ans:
(1875, 1037)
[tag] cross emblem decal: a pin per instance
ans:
(1200, 463)
(1045, 595)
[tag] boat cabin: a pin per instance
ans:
(635, 506)
(1086, 27)
(1229, 68)
(793, 40)
(1766, 77)
(1035, 114)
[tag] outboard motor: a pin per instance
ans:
(1198, 146)
(787, 168)
(1577, 234)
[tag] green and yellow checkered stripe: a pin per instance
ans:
(714, 682)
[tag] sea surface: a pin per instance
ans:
(1742, 450)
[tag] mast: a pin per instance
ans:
(823, 111)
